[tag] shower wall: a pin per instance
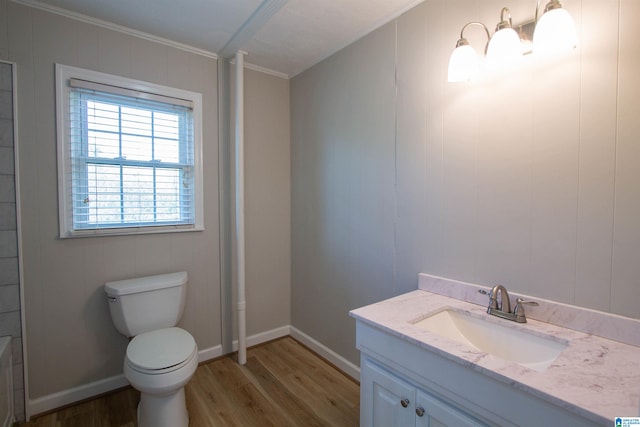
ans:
(9, 277)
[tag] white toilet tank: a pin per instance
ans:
(147, 303)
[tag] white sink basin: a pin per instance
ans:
(509, 343)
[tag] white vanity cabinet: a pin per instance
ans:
(399, 376)
(385, 399)
(433, 412)
(388, 400)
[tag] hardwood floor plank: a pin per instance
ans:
(283, 384)
(324, 373)
(299, 412)
(334, 397)
(120, 408)
(204, 401)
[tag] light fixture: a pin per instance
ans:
(554, 31)
(504, 47)
(465, 62)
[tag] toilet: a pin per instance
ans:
(161, 358)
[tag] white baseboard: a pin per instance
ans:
(340, 362)
(86, 391)
(262, 337)
(209, 353)
(75, 394)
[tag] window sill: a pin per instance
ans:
(130, 231)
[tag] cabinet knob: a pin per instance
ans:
(404, 402)
(420, 411)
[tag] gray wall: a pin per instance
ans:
(70, 338)
(267, 202)
(9, 276)
(267, 207)
(343, 202)
(526, 178)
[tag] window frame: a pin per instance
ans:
(65, 202)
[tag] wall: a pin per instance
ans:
(342, 155)
(9, 271)
(526, 178)
(267, 202)
(267, 206)
(71, 341)
(73, 350)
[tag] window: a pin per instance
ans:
(128, 155)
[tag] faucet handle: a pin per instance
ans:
(493, 300)
(519, 310)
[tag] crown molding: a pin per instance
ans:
(264, 70)
(115, 27)
(140, 34)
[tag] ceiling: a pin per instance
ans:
(284, 36)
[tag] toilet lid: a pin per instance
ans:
(160, 349)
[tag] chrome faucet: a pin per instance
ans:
(502, 307)
(505, 304)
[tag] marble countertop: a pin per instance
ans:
(595, 377)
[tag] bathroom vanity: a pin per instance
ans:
(585, 372)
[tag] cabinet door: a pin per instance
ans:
(386, 400)
(432, 412)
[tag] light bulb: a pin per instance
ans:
(555, 32)
(464, 63)
(504, 48)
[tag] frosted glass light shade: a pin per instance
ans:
(504, 47)
(464, 64)
(555, 31)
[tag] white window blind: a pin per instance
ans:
(129, 160)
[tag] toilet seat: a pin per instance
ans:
(161, 351)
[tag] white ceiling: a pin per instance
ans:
(285, 36)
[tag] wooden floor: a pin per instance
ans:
(282, 384)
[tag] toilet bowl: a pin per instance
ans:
(161, 358)
(159, 364)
